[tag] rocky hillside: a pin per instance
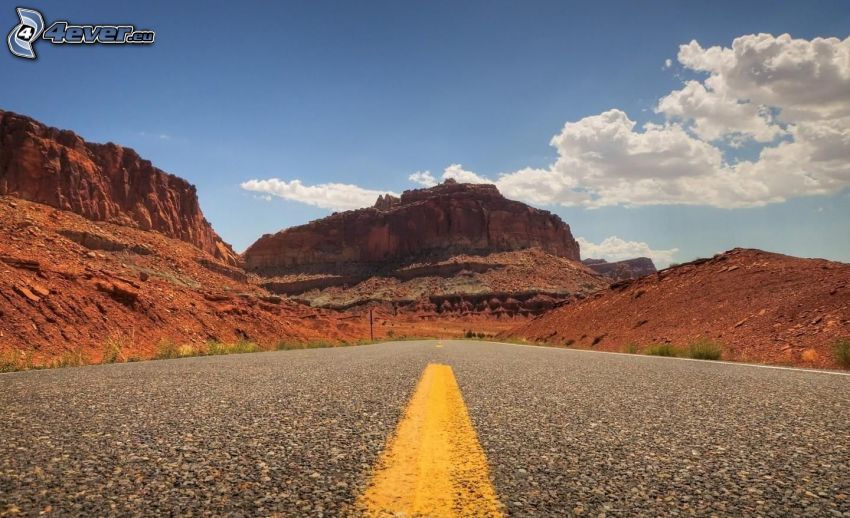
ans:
(101, 182)
(447, 219)
(69, 285)
(622, 270)
(521, 282)
(757, 306)
(454, 248)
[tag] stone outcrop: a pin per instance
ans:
(101, 182)
(622, 270)
(449, 218)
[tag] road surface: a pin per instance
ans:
(319, 432)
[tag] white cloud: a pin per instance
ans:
(332, 196)
(805, 78)
(787, 99)
(616, 249)
(668, 63)
(716, 116)
(424, 178)
(458, 173)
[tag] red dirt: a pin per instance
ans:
(759, 306)
(57, 296)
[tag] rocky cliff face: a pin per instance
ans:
(622, 270)
(449, 218)
(102, 182)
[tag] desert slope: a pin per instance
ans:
(69, 285)
(758, 306)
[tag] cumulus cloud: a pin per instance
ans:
(424, 178)
(332, 196)
(790, 97)
(715, 116)
(668, 63)
(787, 100)
(458, 173)
(616, 249)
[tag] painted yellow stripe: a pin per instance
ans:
(433, 465)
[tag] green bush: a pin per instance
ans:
(630, 348)
(704, 349)
(841, 350)
(661, 350)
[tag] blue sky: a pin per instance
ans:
(367, 93)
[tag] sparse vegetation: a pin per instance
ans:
(73, 358)
(704, 349)
(167, 350)
(841, 350)
(631, 348)
(11, 361)
(809, 356)
(217, 348)
(113, 351)
(661, 350)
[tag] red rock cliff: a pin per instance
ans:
(451, 217)
(103, 182)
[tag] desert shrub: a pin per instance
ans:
(630, 348)
(166, 350)
(704, 349)
(841, 350)
(242, 346)
(480, 335)
(469, 334)
(113, 351)
(69, 359)
(12, 360)
(661, 350)
(809, 356)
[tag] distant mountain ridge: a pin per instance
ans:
(622, 270)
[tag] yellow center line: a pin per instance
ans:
(439, 345)
(433, 465)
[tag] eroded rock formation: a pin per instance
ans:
(101, 182)
(448, 218)
(622, 270)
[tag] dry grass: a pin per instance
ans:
(704, 349)
(809, 356)
(661, 350)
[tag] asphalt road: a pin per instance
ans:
(298, 433)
